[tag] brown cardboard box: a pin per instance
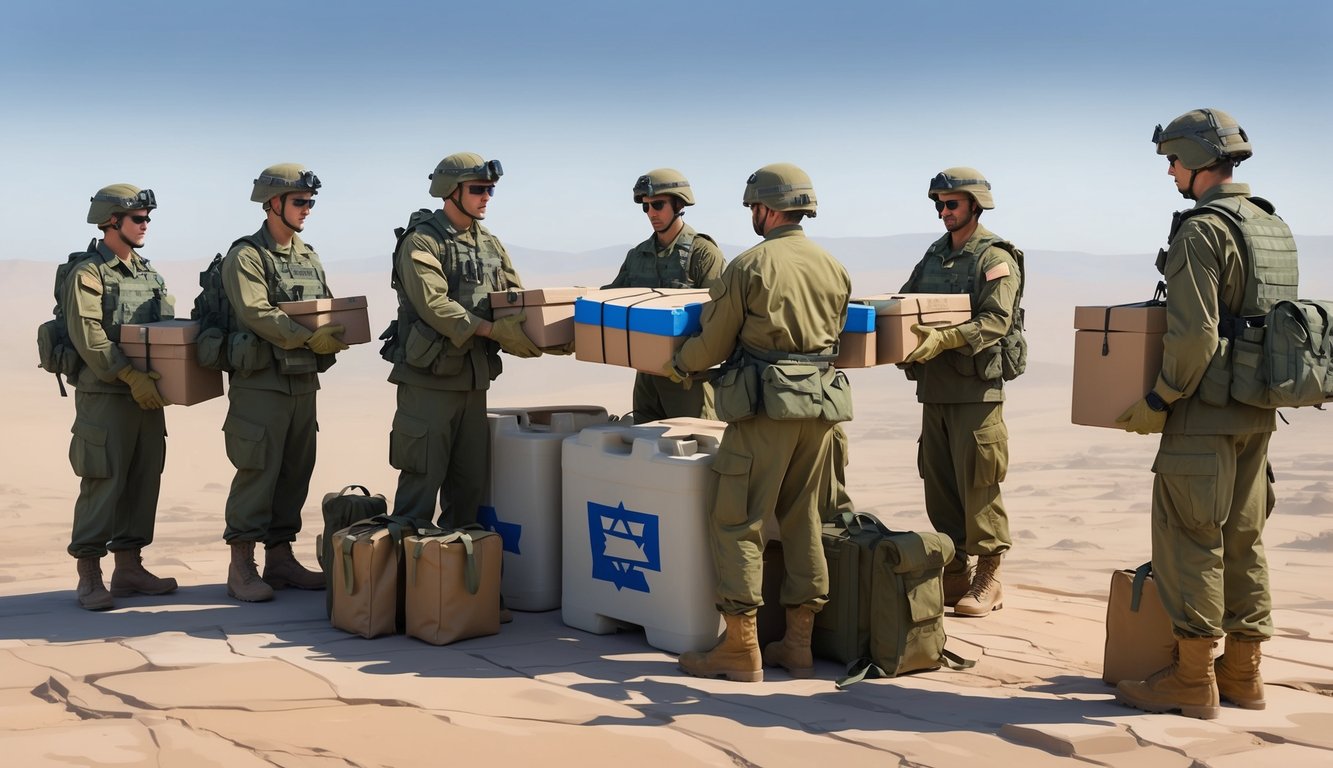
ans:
(347, 311)
(1117, 357)
(588, 335)
(856, 350)
(647, 352)
(548, 312)
(168, 348)
(896, 313)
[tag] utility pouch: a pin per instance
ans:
(248, 353)
(55, 353)
(1248, 384)
(791, 391)
(210, 350)
(422, 346)
(989, 362)
(292, 362)
(736, 394)
(837, 398)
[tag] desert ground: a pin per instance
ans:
(196, 679)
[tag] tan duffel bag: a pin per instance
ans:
(1139, 640)
(368, 576)
(453, 584)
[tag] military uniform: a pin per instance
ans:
(118, 448)
(1211, 492)
(691, 260)
(271, 421)
(963, 453)
(785, 295)
(440, 440)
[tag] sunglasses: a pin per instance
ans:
(656, 205)
(952, 205)
(303, 202)
(1171, 159)
(138, 219)
(481, 189)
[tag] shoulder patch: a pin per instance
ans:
(998, 271)
(90, 282)
(425, 258)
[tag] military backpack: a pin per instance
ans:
(55, 351)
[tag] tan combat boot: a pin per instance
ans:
(793, 650)
(1187, 685)
(736, 656)
(958, 575)
(985, 594)
(130, 576)
(1237, 671)
(243, 582)
(281, 569)
(92, 592)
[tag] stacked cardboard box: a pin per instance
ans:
(896, 313)
(348, 311)
(548, 313)
(168, 348)
(856, 344)
(1117, 356)
(636, 327)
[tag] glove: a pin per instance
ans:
(142, 388)
(510, 336)
(325, 341)
(676, 375)
(1142, 418)
(561, 349)
(932, 341)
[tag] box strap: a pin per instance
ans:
(1141, 575)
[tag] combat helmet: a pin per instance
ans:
(782, 187)
(962, 179)
(664, 181)
(1202, 137)
(460, 167)
(119, 198)
(282, 179)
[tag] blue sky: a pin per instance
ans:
(1054, 101)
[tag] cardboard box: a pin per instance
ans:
(168, 348)
(347, 311)
(1117, 356)
(640, 331)
(856, 343)
(896, 313)
(589, 311)
(548, 312)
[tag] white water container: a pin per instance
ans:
(636, 551)
(522, 502)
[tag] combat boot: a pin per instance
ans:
(281, 569)
(1187, 685)
(793, 650)
(736, 656)
(958, 575)
(130, 576)
(92, 592)
(243, 582)
(1237, 671)
(985, 594)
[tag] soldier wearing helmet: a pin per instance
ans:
(959, 373)
(1230, 259)
(119, 434)
(780, 305)
(675, 256)
(444, 345)
(270, 429)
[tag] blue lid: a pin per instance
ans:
(860, 319)
(659, 321)
(587, 311)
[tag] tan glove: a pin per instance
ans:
(142, 388)
(510, 336)
(562, 349)
(1142, 418)
(933, 341)
(325, 341)
(676, 375)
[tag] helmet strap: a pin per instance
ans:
(457, 199)
(282, 213)
(1188, 191)
(120, 231)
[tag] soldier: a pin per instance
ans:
(270, 428)
(959, 374)
(674, 257)
(1230, 259)
(119, 443)
(775, 315)
(444, 346)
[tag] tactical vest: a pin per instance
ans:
(140, 298)
(1268, 250)
(295, 278)
(647, 270)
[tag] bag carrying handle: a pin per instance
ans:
(364, 490)
(471, 576)
(1141, 575)
(395, 525)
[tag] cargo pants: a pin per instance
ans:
(1211, 497)
(270, 438)
(783, 468)
(119, 450)
(441, 445)
(963, 456)
(657, 397)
